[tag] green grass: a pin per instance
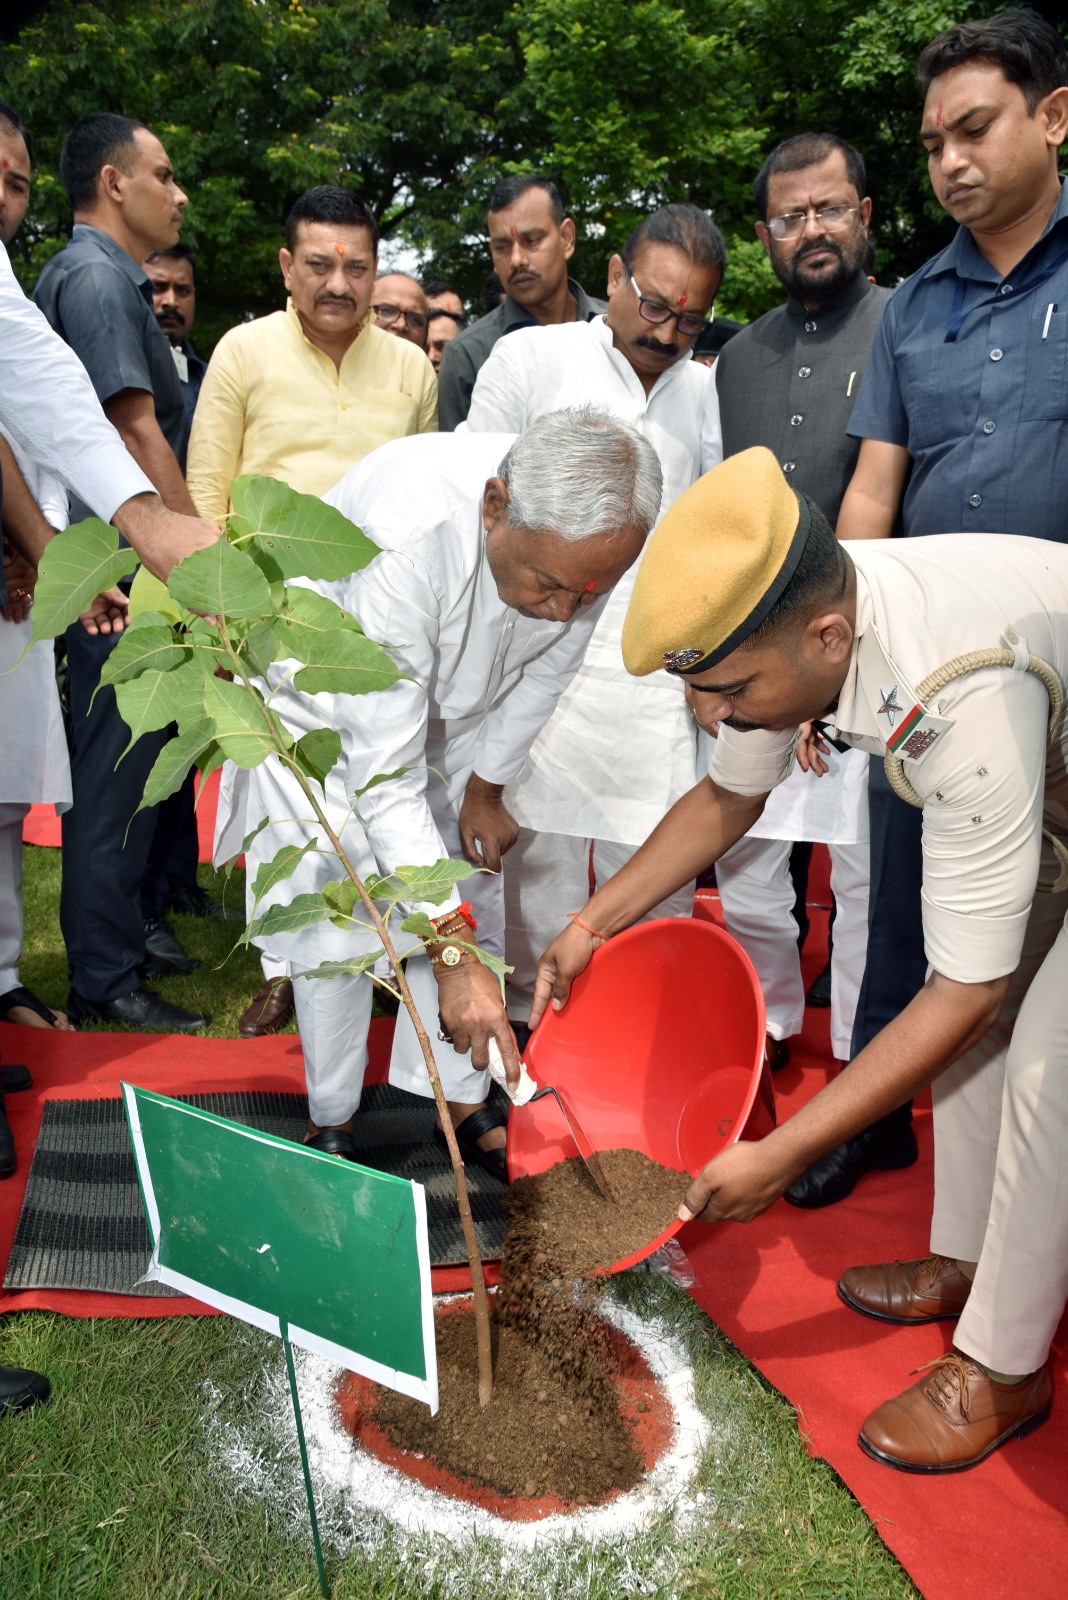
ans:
(114, 1491)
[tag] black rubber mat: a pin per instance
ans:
(82, 1225)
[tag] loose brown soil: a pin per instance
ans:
(554, 1426)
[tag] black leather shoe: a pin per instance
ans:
(20, 1389)
(333, 1142)
(14, 1077)
(141, 1008)
(163, 954)
(196, 903)
(837, 1174)
(818, 993)
(7, 1144)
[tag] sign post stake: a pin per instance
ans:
(288, 1348)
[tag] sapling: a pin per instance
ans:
(200, 661)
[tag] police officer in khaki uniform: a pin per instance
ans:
(745, 592)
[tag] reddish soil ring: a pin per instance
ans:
(645, 1409)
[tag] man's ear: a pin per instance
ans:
(494, 504)
(763, 235)
(285, 261)
(831, 636)
(617, 275)
(109, 184)
(567, 233)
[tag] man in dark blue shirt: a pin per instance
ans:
(172, 274)
(126, 203)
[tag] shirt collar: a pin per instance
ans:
(517, 316)
(962, 254)
(85, 233)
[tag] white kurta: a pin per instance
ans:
(482, 679)
(618, 751)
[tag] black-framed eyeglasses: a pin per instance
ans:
(655, 311)
(416, 320)
(790, 225)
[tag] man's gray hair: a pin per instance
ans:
(582, 474)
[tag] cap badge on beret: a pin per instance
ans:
(678, 660)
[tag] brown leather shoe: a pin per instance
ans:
(907, 1291)
(954, 1417)
(270, 1010)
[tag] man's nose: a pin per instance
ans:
(181, 199)
(813, 226)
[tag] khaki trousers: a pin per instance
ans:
(1001, 1159)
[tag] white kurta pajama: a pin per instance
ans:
(618, 751)
(36, 768)
(482, 679)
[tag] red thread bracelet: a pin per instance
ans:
(577, 920)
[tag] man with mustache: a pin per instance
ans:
(302, 395)
(790, 382)
(172, 274)
(531, 242)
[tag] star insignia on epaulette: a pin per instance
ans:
(891, 709)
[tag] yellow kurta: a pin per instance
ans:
(272, 403)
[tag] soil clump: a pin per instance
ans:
(554, 1425)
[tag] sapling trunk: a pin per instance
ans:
(463, 1201)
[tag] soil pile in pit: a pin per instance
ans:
(554, 1425)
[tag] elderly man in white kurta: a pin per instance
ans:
(495, 555)
(617, 752)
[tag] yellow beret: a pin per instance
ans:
(713, 569)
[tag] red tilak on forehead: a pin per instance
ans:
(340, 248)
(513, 233)
(590, 587)
(681, 301)
(940, 120)
(6, 164)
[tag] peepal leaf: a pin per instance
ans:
(258, 649)
(310, 609)
(381, 777)
(344, 969)
(342, 663)
(144, 647)
(155, 699)
(316, 753)
(228, 866)
(171, 766)
(434, 883)
(420, 924)
(246, 729)
(302, 912)
(281, 866)
(219, 581)
(74, 569)
(307, 538)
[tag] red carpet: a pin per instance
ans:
(42, 826)
(1000, 1529)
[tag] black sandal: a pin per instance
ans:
(25, 998)
(470, 1131)
(333, 1142)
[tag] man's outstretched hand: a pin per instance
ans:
(472, 1012)
(108, 613)
(738, 1184)
(162, 537)
(567, 956)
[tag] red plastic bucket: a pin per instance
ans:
(661, 1048)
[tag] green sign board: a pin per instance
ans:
(327, 1254)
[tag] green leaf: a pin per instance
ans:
(212, 758)
(74, 568)
(387, 888)
(145, 647)
(305, 537)
(259, 648)
(435, 882)
(220, 581)
(421, 924)
(228, 866)
(381, 777)
(342, 895)
(154, 699)
(343, 969)
(313, 610)
(316, 753)
(239, 531)
(303, 912)
(281, 866)
(171, 766)
(344, 663)
(247, 730)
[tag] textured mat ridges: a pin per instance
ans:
(82, 1225)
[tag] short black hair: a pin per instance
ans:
(492, 292)
(329, 203)
(436, 286)
(437, 312)
(821, 577)
(685, 228)
(509, 190)
(100, 140)
(9, 118)
(176, 252)
(1027, 48)
(805, 150)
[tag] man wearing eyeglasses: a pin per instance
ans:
(400, 307)
(789, 382)
(585, 787)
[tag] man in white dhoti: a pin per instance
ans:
(495, 553)
(617, 752)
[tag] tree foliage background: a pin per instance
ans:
(421, 104)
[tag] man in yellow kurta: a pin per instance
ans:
(302, 395)
(305, 393)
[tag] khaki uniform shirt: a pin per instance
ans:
(976, 753)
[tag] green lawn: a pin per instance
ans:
(116, 1490)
